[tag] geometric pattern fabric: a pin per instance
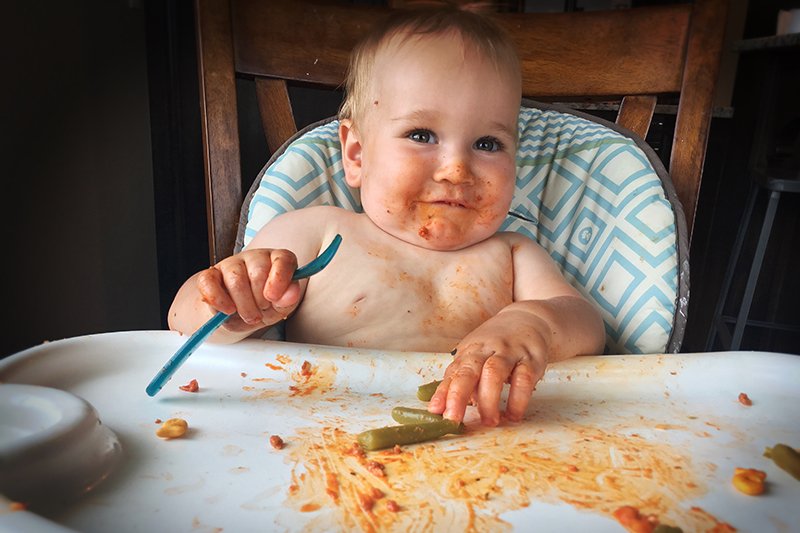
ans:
(587, 193)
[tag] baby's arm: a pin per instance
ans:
(254, 286)
(548, 321)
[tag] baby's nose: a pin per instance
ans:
(454, 172)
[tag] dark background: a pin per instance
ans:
(103, 202)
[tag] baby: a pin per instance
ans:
(429, 135)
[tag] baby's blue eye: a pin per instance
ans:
(422, 136)
(488, 144)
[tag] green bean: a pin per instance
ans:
(386, 437)
(786, 458)
(409, 415)
(425, 392)
(663, 528)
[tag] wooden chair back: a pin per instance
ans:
(631, 56)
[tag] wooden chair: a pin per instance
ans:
(631, 56)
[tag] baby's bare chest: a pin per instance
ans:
(428, 290)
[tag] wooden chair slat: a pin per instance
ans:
(220, 133)
(275, 109)
(696, 104)
(319, 38)
(614, 51)
(636, 113)
(600, 53)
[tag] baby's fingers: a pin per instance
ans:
(211, 286)
(495, 372)
(240, 289)
(461, 379)
(523, 382)
(284, 264)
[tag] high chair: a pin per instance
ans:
(590, 192)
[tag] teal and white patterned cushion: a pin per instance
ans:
(593, 195)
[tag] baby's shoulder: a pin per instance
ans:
(318, 214)
(514, 240)
(307, 225)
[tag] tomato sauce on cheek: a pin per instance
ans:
(494, 205)
(401, 194)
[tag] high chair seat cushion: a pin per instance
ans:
(594, 195)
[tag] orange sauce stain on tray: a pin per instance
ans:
(313, 378)
(307, 380)
(466, 483)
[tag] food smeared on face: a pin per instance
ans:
(435, 170)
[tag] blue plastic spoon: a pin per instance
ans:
(204, 331)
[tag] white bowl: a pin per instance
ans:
(52, 445)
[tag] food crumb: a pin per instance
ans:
(396, 450)
(376, 468)
(276, 442)
(631, 519)
(173, 428)
(192, 386)
(749, 481)
(16, 506)
(243, 374)
(356, 450)
(744, 399)
(392, 506)
(366, 502)
(159, 421)
(305, 369)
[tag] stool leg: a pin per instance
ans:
(716, 321)
(755, 269)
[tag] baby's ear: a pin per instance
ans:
(351, 152)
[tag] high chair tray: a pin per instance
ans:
(660, 433)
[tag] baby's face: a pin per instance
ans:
(438, 145)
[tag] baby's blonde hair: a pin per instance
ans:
(475, 30)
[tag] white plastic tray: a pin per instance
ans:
(661, 433)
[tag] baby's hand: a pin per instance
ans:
(255, 286)
(507, 348)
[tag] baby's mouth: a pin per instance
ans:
(450, 203)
